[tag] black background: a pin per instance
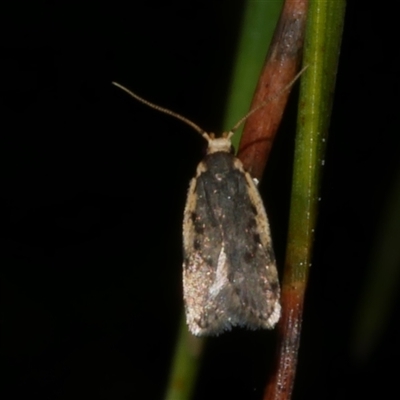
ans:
(93, 187)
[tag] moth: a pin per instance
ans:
(229, 269)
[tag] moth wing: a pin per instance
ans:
(197, 274)
(269, 280)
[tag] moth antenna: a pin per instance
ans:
(163, 110)
(268, 100)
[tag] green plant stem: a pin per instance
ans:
(321, 55)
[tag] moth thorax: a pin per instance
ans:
(222, 143)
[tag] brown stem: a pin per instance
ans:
(281, 383)
(281, 65)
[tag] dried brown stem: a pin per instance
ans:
(281, 383)
(281, 65)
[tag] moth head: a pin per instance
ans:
(222, 143)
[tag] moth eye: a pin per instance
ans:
(253, 209)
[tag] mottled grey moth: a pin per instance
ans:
(229, 270)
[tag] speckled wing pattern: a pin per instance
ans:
(229, 271)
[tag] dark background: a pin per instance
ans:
(93, 187)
